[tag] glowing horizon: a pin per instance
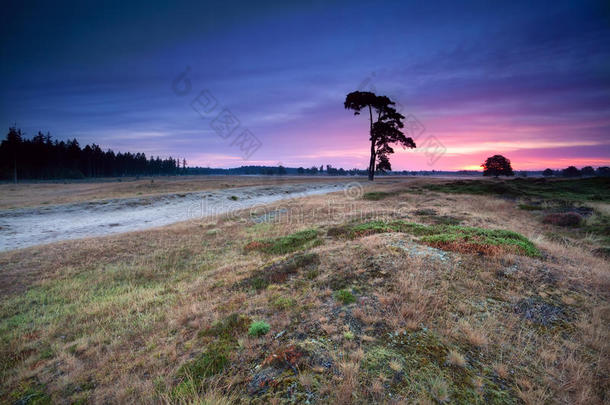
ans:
(518, 80)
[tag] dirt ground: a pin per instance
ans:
(21, 228)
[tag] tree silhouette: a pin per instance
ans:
(603, 171)
(42, 158)
(385, 130)
(13, 144)
(587, 171)
(547, 173)
(570, 171)
(497, 165)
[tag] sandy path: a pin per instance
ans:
(33, 226)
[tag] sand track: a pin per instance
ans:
(21, 228)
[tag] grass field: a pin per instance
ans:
(57, 192)
(413, 291)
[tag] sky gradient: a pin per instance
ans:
(531, 82)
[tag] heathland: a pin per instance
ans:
(402, 291)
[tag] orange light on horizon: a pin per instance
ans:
(472, 167)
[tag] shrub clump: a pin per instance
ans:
(258, 328)
(563, 219)
(477, 240)
(286, 244)
(344, 296)
(448, 237)
(356, 230)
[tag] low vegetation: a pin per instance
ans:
(344, 296)
(447, 237)
(377, 195)
(591, 189)
(286, 244)
(259, 328)
(357, 306)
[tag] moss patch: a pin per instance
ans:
(425, 371)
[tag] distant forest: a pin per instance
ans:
(42, 158)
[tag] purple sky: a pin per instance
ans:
(530, 81)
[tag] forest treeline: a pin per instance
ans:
(42, 158)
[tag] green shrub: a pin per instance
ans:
(345, 296)
(259, 328)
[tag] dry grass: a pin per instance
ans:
(31, 194)
(113, 319)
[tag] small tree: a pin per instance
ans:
(547, 173)
(384, 130)
(587, 171)
(570, 171)
(497, 165)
